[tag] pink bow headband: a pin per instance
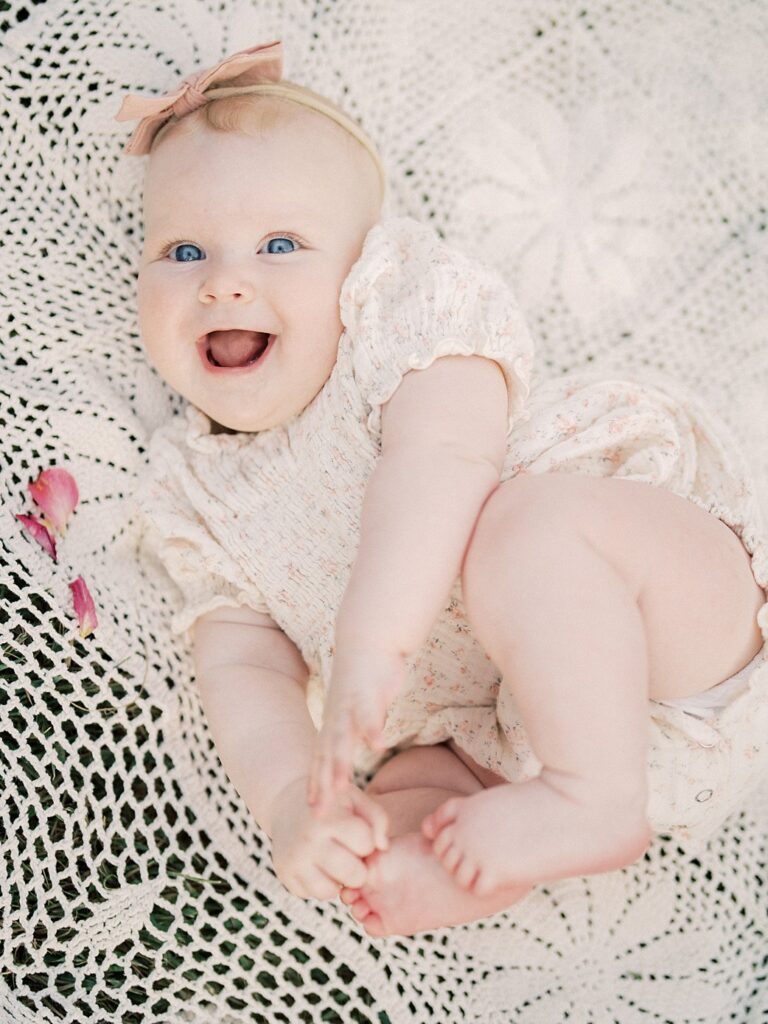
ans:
(255, 70)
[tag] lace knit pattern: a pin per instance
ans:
(608, 160)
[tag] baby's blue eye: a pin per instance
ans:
(280, 238)
(183, 249)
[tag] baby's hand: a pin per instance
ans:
(363, 684)
(316, 859)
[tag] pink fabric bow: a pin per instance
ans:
(248, 67)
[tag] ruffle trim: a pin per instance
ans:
(184, 619)
(197, 435)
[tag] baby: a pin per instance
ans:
(530, 612)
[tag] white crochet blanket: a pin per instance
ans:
(610, 159)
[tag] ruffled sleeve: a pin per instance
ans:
(169, 496)
(410, 298)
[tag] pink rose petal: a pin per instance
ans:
(36, 529)
(84, 607)
(55, 492)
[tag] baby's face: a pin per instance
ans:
(255, 236)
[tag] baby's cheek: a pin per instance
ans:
(157, 299)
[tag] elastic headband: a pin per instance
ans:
(286, 93)
(255, 70)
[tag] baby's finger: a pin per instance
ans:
(319, 885)
(344, 867)
(374, 814)
(342, 753)
(349, 896)
(319, 789)
(374, 729)
(374, 737)
(331, 768)
(354, 832)
(370, 723)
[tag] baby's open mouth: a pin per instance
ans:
(235, 347)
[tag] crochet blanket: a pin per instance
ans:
(610, 159)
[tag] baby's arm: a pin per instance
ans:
(443, 446)
(251, 680)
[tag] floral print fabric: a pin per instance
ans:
(271, 520)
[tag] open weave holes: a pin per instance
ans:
(610, 160)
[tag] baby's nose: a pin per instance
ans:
(226, 286)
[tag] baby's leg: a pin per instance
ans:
(583, 591)
(407, 889)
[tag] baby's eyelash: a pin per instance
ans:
(285, 234)
(166, 247)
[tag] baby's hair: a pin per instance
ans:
(240, 111)
(231, 110)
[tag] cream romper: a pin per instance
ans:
(271, 520)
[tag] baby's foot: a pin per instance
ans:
(408, 891)
(524, 833)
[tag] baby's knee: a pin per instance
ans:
(527, 539)
(522, 518)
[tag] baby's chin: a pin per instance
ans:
(222, 424)
(238, 416)
(233, 427)
(227, 420)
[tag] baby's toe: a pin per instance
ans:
(452, 858)
(444, 841)
(484, 884)
(374, 926)
(442, 816)
(466, 874)
(360, 910)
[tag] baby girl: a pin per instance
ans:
(532, 618)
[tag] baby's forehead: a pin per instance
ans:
(303, 150)
(272, 124)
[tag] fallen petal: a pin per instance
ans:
(40, 534)
(55, 491)
(84, 607)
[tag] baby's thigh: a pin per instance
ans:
(695, 587)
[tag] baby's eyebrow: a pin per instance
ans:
(297, 218)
